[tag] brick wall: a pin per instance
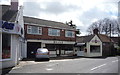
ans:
(45, 35)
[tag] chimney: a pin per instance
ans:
(14, 4)
(95, 31)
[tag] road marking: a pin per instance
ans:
(98, 67)
(49, 69)
(115, 61)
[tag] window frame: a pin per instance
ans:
(50, 32)
(29, 30)
(95, 51)
(66, 34)
(10, 47)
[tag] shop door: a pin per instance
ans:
(80, 52)
(32, 48)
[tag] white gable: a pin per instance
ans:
(95, 40)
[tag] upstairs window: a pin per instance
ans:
(69, 34)
(53, 32)
(34, 30)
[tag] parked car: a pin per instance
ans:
(42, 53)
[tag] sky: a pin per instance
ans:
(82, 12)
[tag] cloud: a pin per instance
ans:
(82, 12)
(6, 2)
(48, 7)
(31, 8)
(99, 11)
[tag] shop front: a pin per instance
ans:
(10, 35)
(60, 49)
(89, 46)
(56, 48)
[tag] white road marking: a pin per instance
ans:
(49, 69)
(98, 67)
(115, 61)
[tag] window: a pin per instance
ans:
(94, 48)
(69, 34)
(34, 30)
(53, 32)
(6, 46)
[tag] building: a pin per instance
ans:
(116, 44)
(11, 34)
(57, 37)
(94, 45)
(116, 41)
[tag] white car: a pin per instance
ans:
(42, 53)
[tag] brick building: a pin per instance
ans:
(58, 37)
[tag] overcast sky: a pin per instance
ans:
(81, 12)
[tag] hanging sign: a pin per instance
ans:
(10, 27)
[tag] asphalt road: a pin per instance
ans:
(79, 65)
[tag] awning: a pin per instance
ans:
(79, 44)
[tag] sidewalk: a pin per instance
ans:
(54, 58)
(64, 57)
(6, 70)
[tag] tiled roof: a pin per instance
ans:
(105, 38)
(115, 39)
(7, 14)
(46, 22)
(84, 39)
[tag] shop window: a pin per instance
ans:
(94, 49)
(6, 46)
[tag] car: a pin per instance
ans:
(42, 53)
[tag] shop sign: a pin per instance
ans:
(10, 27)
(95, 41)
(58, 42)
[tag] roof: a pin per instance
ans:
(105, 38)
(46, 23)
(85, 39)
(115, 39)
(7, 14)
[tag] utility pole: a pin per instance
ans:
(110, 41)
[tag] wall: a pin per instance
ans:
(99, 43)
(0, 50)
(45, 36)
(24, 49)
(13, 61)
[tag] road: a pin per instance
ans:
(79, 65)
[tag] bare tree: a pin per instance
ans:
(105, 26)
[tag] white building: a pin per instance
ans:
(11, 35)
(95, 45)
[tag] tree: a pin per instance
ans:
(71, 24)
(74, 26)
(105, 26)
